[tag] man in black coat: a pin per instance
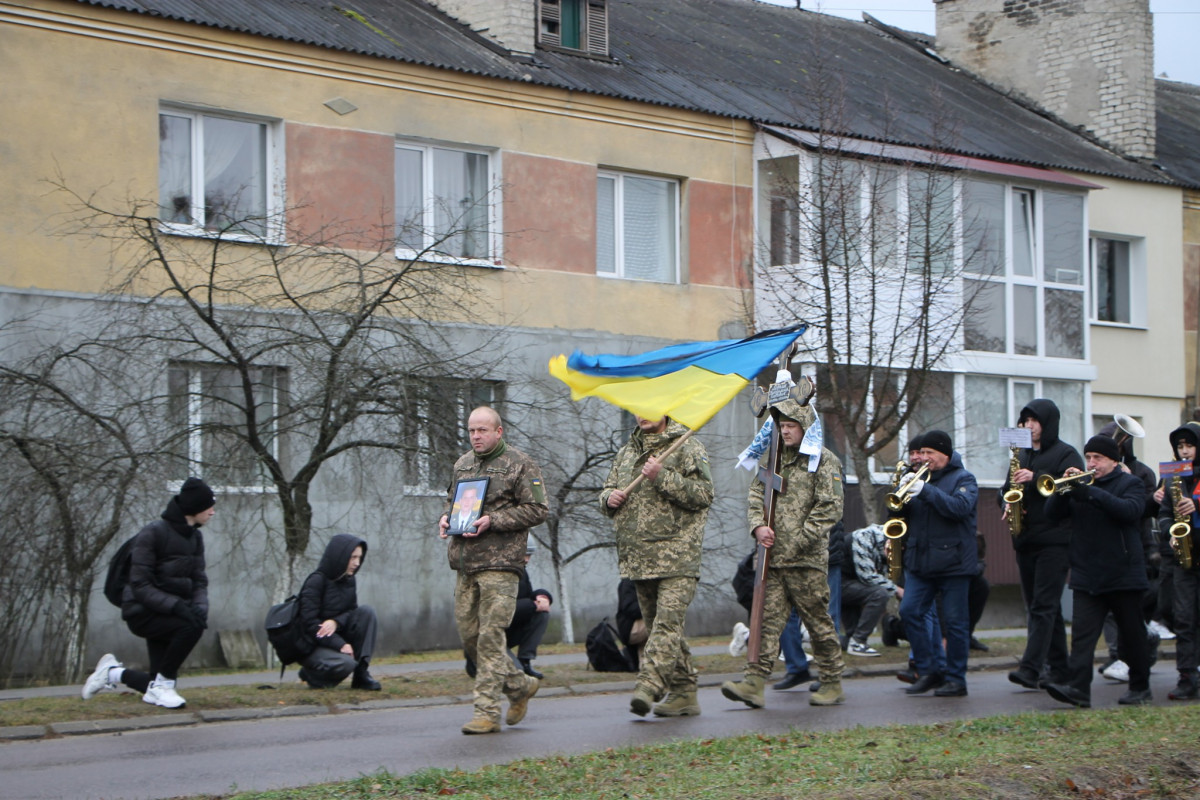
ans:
(1108, 571)
(166, 599)
(341, 631)
(1041, 548)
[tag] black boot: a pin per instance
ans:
(527, 667)
(362, 678)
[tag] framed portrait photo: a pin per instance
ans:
(467, 506)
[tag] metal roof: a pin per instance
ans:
(733, 58)
(1177, 108)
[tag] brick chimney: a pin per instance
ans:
(510, 23)
(1088, 62)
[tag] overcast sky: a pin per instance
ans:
(1176, 27)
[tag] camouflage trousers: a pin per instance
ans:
(666, 663)
(808, 590)
(484, 603)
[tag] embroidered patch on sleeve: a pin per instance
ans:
(539, 491)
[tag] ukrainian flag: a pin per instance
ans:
(687, 382)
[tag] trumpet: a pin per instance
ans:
(897, 499)
(1048, 485)
(1181, 529)
(894, 529)
(1015, 496)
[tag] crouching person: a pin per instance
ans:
(342, 630)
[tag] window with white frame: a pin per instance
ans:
(637, 227)
(1118, 279)
(1025, 267)
(992, 402)
(215, 173)
(436, 412)
(207, 407)
(443, 202)
(574, 24)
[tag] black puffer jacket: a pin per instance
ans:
(329, 593)
(167, 566)
(1053, 458)
(1106, 544)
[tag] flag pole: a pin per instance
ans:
(675, 445)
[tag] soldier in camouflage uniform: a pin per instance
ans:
(489, 563)
(799, 545)
(659, 530)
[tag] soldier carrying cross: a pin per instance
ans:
(791, 510)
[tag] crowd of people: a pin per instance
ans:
(1104, 527)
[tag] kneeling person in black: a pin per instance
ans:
(342, 631)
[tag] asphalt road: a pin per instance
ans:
(217, 758)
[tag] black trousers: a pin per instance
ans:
(526, 635)
(326, 667)
(1086, 624)
(1186, 584)
(1043, 575)
(169, 640)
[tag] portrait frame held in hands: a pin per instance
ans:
(469, 495)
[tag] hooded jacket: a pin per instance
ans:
(1053, 458)
(1166, 511)
(941, 524)
(167, 566)
(329, 593)
(1106, 543)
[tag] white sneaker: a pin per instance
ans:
(98, 681)
(741, 637)
(805, 638)
(1117, 671)
(1163, 631)
(162, 693)
(862, 649)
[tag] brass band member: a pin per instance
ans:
(1041, 549)
(1186, 582)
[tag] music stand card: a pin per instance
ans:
(1174, 469)
(468, 503)
(1016, 437)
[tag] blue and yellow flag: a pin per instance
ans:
(687, 382)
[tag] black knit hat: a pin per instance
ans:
(914, 443)
(938, 440)
(1103, 445)
(195, 496)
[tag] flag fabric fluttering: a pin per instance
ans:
(688, 382)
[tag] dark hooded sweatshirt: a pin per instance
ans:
(329, 593)
(1166, 511)
(1054, 457)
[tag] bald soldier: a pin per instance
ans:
(799, 549)
(489, 559)
(660, 530)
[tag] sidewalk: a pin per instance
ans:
(623, 682)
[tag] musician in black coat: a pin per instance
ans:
(1185, 583)
(341, 631)
(1108, 571)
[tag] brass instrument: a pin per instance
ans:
(897, 499)
(894, 529)
(1015, 496)
(1048, 485)
(1127, 428)
(1181, 529)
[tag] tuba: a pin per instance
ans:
(1048, 485)
(1014, 497)
(1181, 529)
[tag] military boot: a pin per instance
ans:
(749, 690)
(641, 701)
(830, 694)
(518, 704)
(679, 704)
(481, 723)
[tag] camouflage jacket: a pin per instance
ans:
(515, 502)
(805, 513)
(660, 528)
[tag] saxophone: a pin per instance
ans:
(894, 529)
(1014, 497)
(1181, 530)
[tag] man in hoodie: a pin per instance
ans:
(341, 631)
(659, 527)
(799, 545)
(166, 599)
(1041, 548)
(1185, 441)
(939, 558)
(488, 560)
(1108, 571)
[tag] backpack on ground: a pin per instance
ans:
(604, 649)
(118, 573)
